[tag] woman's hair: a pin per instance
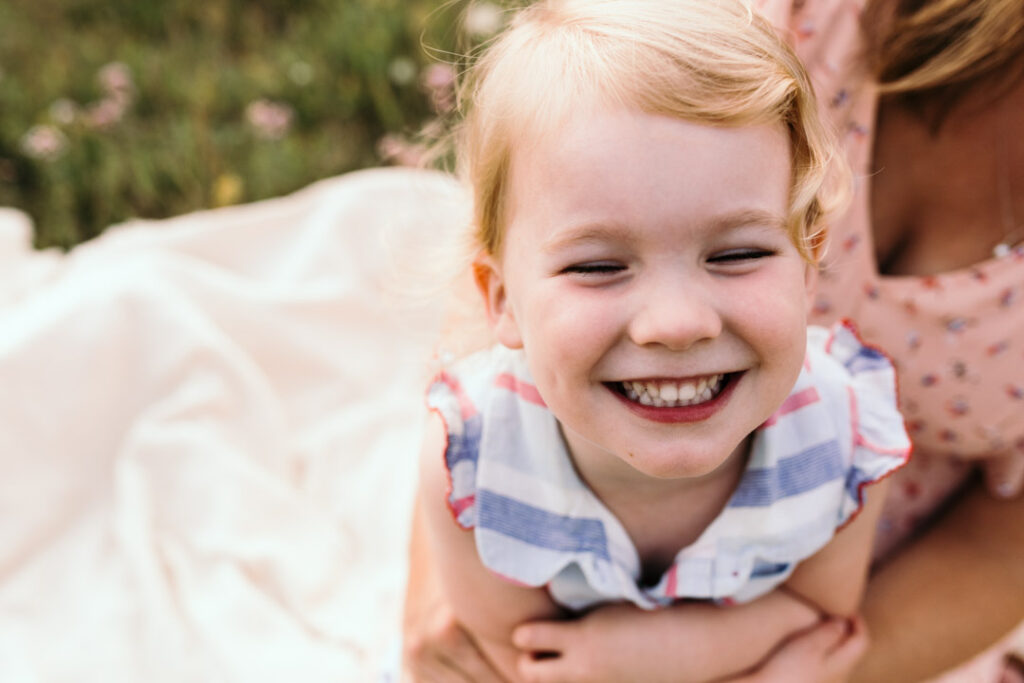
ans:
(707, 62)
(942, 45)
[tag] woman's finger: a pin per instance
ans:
(432, 671)
(841, 659)
(547, 670)
(470, 663)
(445, 653)
(1013, 670)
(1004, 475)
(821, 640)
(542, 636)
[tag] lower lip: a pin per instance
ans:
(695, 413)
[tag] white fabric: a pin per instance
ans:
(201, 476)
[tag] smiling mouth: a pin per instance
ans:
(673, 393)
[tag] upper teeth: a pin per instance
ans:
(674, 393)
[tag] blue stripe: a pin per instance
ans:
(763, 569)
(540, 527)
(796, 474)
(854, 479)
(867, 359)
(465, 445)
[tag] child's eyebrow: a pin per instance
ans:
(597, 232)
(748, 218)
(601, 232)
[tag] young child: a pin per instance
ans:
(657, 423)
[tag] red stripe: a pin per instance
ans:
(527, 391)
(466, 407)
(670, 585)
(793, 403)
(860, 440)
(462, 503)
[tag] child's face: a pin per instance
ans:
(647, 255)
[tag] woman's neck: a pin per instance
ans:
(943, 198)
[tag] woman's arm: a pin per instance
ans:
(826, 653)
(436, 647)
(487, 606)
(950, 594)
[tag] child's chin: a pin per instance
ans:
(672, 465)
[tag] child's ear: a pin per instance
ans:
(491, 282)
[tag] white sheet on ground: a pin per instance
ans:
(208, 428)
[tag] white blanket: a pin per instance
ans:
(208, 428)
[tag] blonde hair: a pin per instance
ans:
(917, 45)
(711, 62)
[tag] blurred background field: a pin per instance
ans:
(116, 109)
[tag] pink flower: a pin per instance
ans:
(397, 150)
(269, 120)
(439, 76)
(43, 142)
(439, 81)
(116, 78)
(104, 114)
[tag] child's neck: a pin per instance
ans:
(663, 516)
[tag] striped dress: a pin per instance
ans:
(537, 524)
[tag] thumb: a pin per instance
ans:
(823, 638)
(1004, 475)
(841, 660)
(542, 636)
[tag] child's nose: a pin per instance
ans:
(676, 320)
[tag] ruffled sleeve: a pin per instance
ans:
(463, 427)
(880, 444)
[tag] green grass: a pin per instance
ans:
(348, 71)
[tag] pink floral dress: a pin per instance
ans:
(957, 338)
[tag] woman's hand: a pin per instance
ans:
(826, 653)
(435, 647)
(438, 650)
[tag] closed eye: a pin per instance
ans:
(595, 268)
(739, 256)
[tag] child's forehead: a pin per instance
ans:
(585, 142)
(629, 176)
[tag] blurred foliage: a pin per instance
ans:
(113, 109)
